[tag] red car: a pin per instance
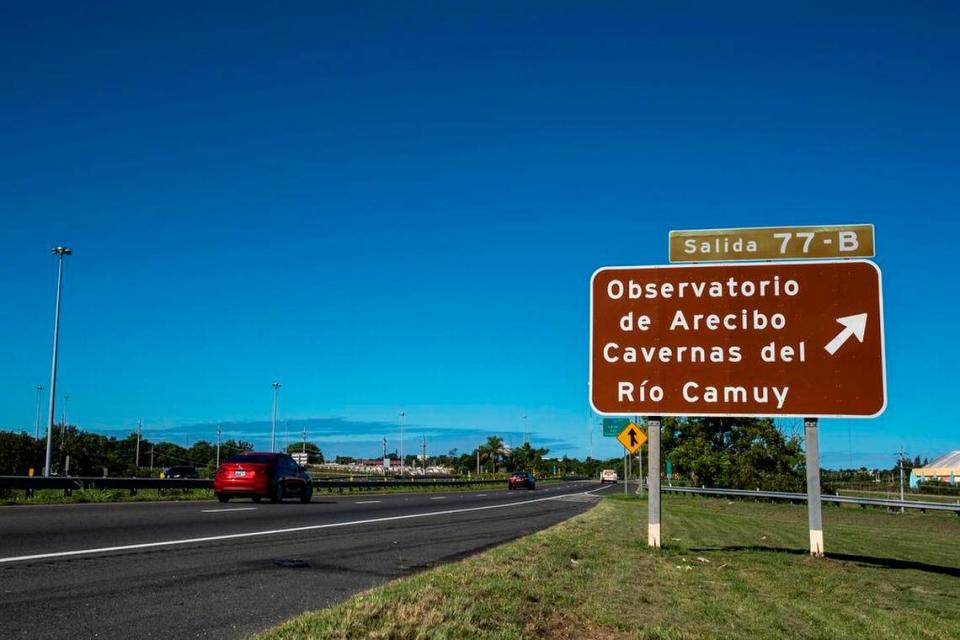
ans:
(521, 479)
(262, 475)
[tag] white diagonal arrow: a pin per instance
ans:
(852, 326)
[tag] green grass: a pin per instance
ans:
(727, 570)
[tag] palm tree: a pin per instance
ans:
(494, 448)
(526, 458)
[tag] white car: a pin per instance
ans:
(608, 475)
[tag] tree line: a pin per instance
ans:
(743, 453)
(84, 453)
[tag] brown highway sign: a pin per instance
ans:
(772, 243)
(800, 339)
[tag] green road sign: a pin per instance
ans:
(669, 469)
(613, 426)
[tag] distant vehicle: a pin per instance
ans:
(180, 471)
(262, 475)
(521, 479)
(609, 475)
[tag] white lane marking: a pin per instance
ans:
(273, 532)
(226, 510)
(367, 502)
(481, 495)
(439, 498)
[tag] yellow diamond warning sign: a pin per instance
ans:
(632, 438)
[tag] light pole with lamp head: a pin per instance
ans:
(273, 432)
(36, 431)
(403, 414)
(60, 252)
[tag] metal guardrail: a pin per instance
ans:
(69, 484)
(802, 497)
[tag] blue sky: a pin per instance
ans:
(399, 205)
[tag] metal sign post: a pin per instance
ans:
(653, 482)
(626, 473)
(813, 486)
(639, 465)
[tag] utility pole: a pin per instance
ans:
(524, 429)
(639, 463)
(219, 434)
(139, 431)
(63, 418)
(36, 433)
(151, 456)
(303, 447)
(63, 427)
(591, 438)
(423, 448)
(273, 431)
(60, 252)
(402, 416)
(901, 476)
(478, 462)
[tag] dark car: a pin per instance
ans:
(520, 479)
(262, 475)
(181, 471)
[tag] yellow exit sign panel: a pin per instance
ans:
(772, 243)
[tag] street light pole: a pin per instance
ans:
(901, 476)
(591, 438)
(63, 417)
(424, 447)
(139, 432)
(59, 252)
(273, 432)
(63, 425)
(524, 429)
(219, 434)
(402, 416)
(36, 432)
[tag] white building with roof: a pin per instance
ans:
(946, 468)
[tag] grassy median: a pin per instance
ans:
(730, 569)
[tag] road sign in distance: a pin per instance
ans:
(772, 243)
(772, 339)
(613, 426)
(632, 438)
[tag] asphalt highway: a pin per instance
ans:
(209, 570)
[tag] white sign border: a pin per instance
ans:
(717, 265)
